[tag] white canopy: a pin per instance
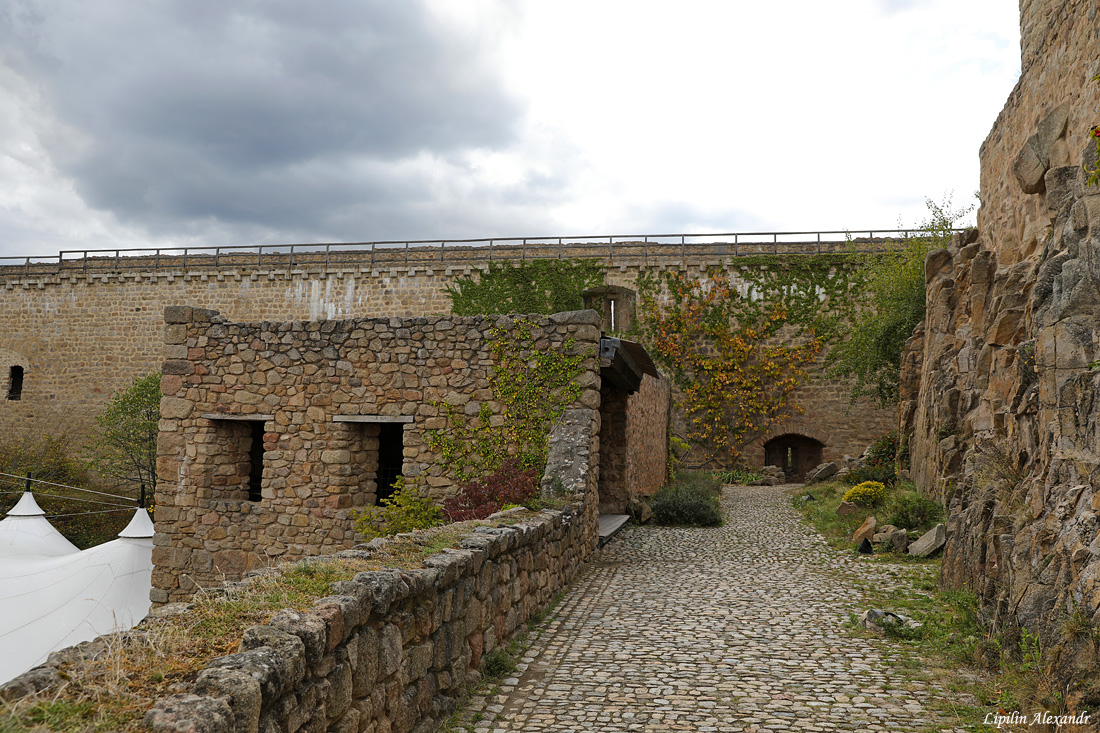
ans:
(51, 602)
(26, 531)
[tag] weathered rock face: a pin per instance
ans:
(1005, 423)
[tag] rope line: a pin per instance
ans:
(64, 486)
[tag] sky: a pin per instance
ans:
(204, 122)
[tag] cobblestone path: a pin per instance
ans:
(736, 628)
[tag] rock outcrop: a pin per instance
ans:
(1000, 410)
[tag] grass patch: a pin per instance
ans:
(987, 668)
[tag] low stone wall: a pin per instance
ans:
(394, 650)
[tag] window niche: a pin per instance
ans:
(376, 447)
(15, 383)
(615, 304)
(236, 457)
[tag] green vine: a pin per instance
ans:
(541, 286)
(738, 341)
(532, 384)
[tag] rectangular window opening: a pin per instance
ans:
(256, 462)
(15, 383)
(391, 457)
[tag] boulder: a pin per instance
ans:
(891, 535)
(639, 510)
(930, 542)
(822, 472)
(846, 508)
(866, 530)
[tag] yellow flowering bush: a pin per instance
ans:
(868, 493)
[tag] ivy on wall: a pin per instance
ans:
(738, 340)
(531, 386)
(540, 286)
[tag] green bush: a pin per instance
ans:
(910, 510)
(884, 450)
(408, 508)
(866, 494)
(691, 500)
(737, 476)
(883, 474)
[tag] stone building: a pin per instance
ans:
(272, 434)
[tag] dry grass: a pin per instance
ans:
(129, 671)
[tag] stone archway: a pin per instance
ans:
(796, 454)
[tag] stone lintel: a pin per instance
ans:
(373, 418)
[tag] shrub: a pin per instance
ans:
(737, 476)
(408, 508)
(911, 509)
(691, 500)
(884, 450)
(866, 494)
(883, 474)
(511, 484)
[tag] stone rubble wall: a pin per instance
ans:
(999, 383)
(634, 445)
(297, 378)
(391, 651)
(84, 335)
(1058, 40)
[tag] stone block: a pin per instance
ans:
(930, 542)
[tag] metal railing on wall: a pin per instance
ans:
(616, 249)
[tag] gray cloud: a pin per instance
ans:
(262, 119)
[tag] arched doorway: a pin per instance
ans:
(796, 454)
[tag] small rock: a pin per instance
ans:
(806, 498)
(876, 620)
(766, 481)
(866, 530)
(865, 547)
(822, 472)
(930, 542)
(846, 508)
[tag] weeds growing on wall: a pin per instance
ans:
(540, 286)
(738, 341)
(533, 387)
(869, 353)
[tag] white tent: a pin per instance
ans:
(51, 602)
(26, 531)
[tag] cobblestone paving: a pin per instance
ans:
(736, 628)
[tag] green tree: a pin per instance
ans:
(125, 448)
(870, 351)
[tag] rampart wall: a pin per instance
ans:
(1058, 40)
(84, 331)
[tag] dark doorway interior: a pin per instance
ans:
(256, 461)
(15, 383)
(391, 454)
(796, 454)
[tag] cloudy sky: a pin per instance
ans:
(192, 122)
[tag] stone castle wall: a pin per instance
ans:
(1059, 40)
(633, 443)
(316, 392)
(83, 335)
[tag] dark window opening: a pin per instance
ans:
(256, 462)
(15, 383)
(796, 454)
(391, 457)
